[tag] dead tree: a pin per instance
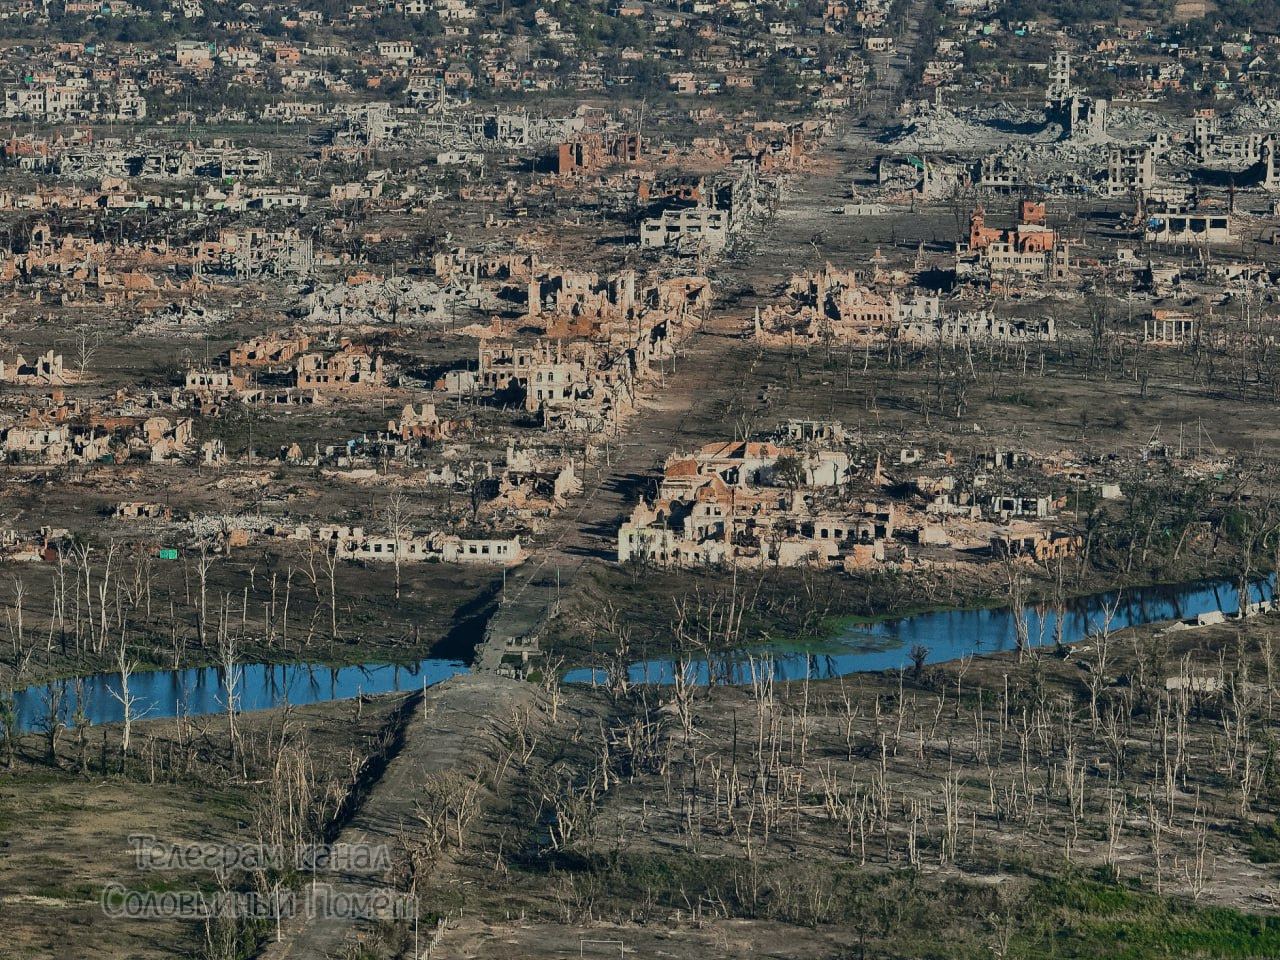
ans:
(398, 519)
(128, 702)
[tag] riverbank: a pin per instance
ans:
(854, 645)
(441, 614)
(67, 814)
(1022, 797)
(665, 614)
(894, 643)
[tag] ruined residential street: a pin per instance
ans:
(457, 727)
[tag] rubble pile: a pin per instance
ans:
(933, 128)
(367, 300)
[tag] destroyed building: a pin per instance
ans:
(351, 367)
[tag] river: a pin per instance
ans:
(859, 647)
(201, 690)
(856, 647)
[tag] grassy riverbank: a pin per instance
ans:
(661, 613)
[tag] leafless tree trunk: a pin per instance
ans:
(128, 702)
(203, 564)
(398, 518)
(331, 571)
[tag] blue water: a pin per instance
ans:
(947, 635)
(200, 690)
(859, 648)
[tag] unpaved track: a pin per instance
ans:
(456, 724)
(458, 721)
(715, 380)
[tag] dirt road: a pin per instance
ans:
(716, 381)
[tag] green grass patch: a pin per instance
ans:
(1263, 843)
(906, 914)
(1093, 917)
